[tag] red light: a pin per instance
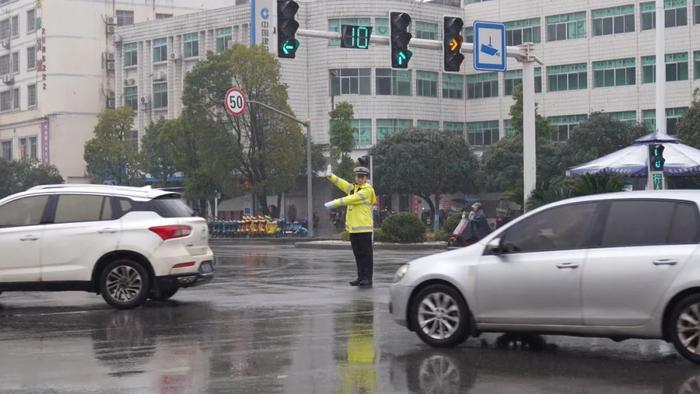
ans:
(170, 232)
(184, 265)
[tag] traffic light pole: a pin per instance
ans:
(523, 54)
(309, 183)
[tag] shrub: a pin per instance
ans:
(381, 236)
(441, 236)
(404, 227)
(451, 222)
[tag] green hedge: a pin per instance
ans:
(403, 227)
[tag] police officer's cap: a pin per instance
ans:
(361, 171)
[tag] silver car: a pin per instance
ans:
(622, 265)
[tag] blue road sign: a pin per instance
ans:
(489, 46)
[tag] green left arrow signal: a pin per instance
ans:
(290, 46)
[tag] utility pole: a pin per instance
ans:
(309, 180)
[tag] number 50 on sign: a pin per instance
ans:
(235, 102)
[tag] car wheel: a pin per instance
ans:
(124, 284)
(440, 316)
(684, 327)
(164, 294)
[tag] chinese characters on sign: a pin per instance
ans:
(45, 143)
(41, 57)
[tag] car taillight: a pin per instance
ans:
(170, 232)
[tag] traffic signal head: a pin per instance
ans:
(400, 37)
(452, 43)
(287, 27)
(656, 157)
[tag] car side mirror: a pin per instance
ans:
(494, 246)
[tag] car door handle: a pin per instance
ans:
(562, 266)
(665, 262)
(29, 238)
(107, 231)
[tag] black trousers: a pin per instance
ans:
(364, 256)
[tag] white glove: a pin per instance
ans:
(328, 172)
(329, 204)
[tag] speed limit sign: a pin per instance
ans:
(235, 102)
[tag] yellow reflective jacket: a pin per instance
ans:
(359, 200)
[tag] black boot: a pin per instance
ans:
(365, 284)
(355, 282)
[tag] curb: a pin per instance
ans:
(377, 245)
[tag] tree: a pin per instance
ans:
(157, 156)
(18, 176)
(689, 125)
(342, 139)
(598, 136)
(261, 147)
(425, 163)
(112, 154)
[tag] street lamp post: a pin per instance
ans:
(309, 186)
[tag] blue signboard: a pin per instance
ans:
(489, 46)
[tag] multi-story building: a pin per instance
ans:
(56, 58)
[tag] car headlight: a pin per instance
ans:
(400, 273)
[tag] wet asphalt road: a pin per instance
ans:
(283, 320)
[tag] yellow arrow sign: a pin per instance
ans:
(455, 44)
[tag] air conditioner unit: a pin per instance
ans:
(109, 65)
(8, 79)
(111, 21)
(110, 29)
(129, 82)
(174, 56)
(117, 39)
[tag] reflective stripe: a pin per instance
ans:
(356, 228)
(364, 199)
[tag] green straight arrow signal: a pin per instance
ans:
(404, 57)
(290, 46)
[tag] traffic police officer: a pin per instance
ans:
(359, 222)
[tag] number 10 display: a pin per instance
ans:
(356, 37)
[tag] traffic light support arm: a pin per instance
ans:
(519, 53)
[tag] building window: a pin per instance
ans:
(508, 127)
(526, 30)
(160, 50)
(131, 97)
(610, 73)
(15, 26)
(675, 14)
(381, 27)
(31, 96)
(469, 34)
(160, 95)
(6, 101)
(515, 77)
(386, 127)
(6, 150)
(125, 18)
(28, 148)
(426, 83)
(569, 77)
(566, 26)
(223, 39)
(482, 133)
(455, 127)
(191, 45)
(4, 64)
(237, 34)
(614, 20)
(334, 25)
(31, 21)
(696, 65)
(163, 16)
(393, 82)
(428, 31)
(482, 85)
(245, 33)
(15, 99)
(131, 56)
(428, 124)
(696, 11)
(31, 58)
(15, 62)
(676, 68)
(5, 29)
(629, 117)
(564, 125)
(362, 132)
(673, 116)
(351, 81)
(453, 86)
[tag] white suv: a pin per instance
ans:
(126, 243)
